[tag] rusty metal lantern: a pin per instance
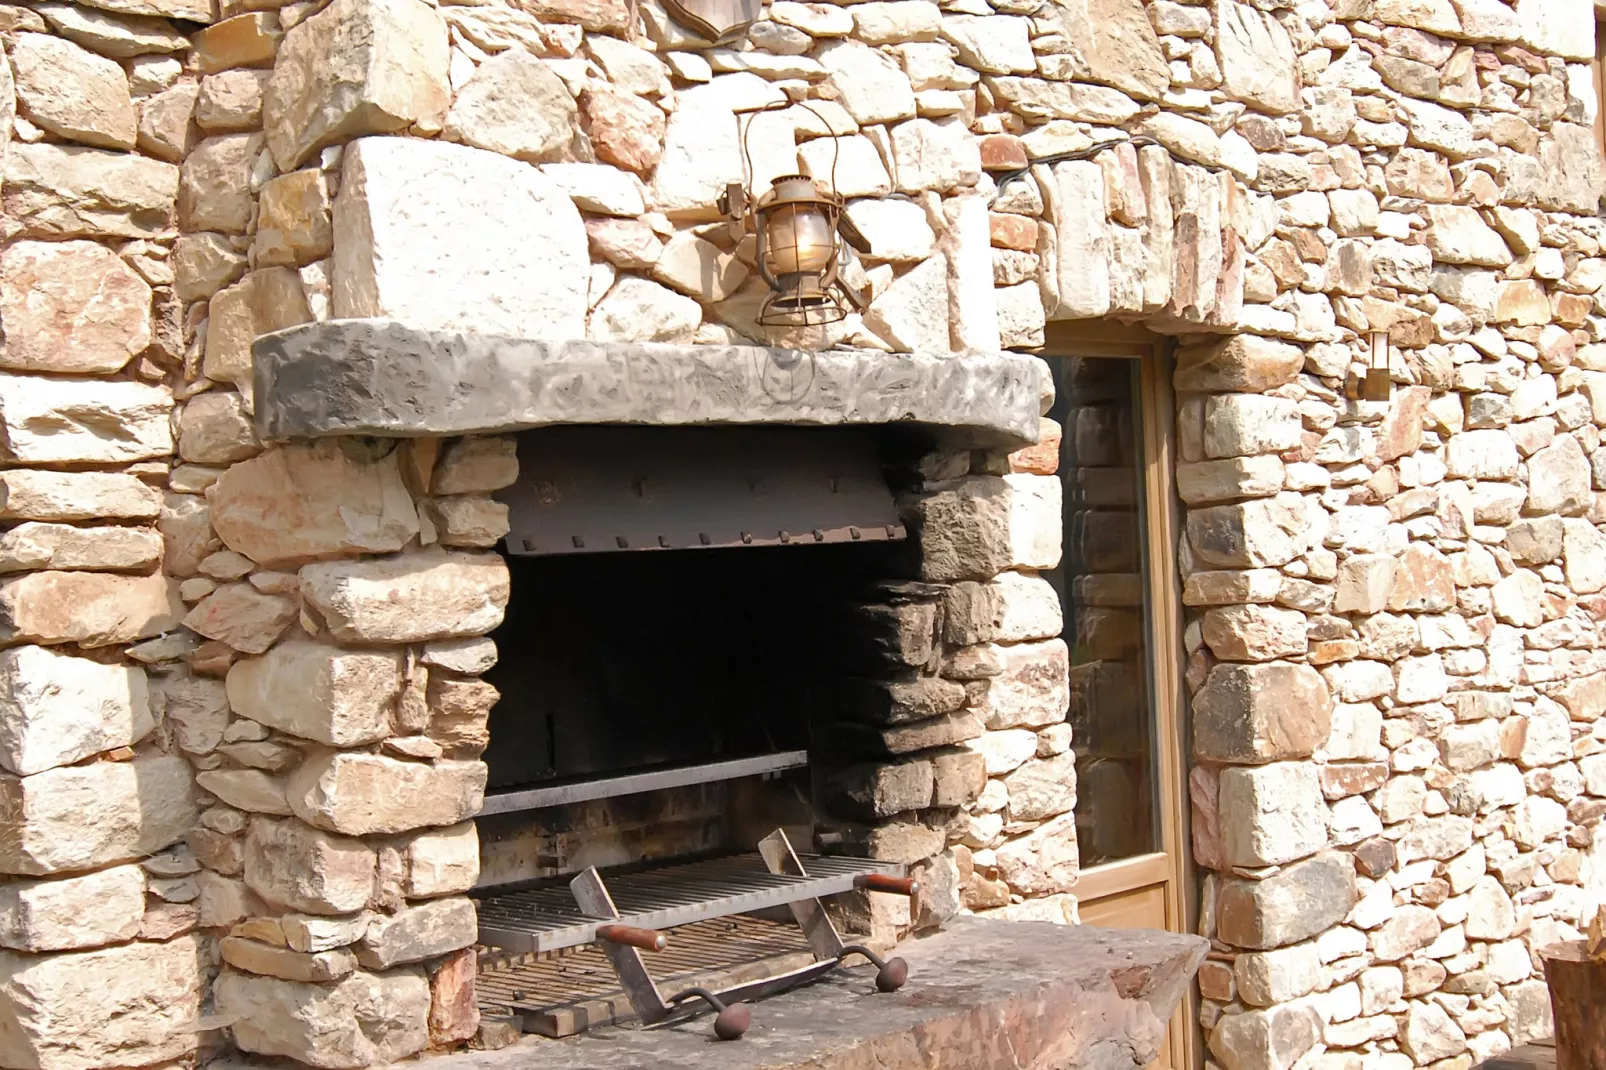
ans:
(797, 225)
(1377, 385)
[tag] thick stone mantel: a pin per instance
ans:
(379, 377)
(982, 994)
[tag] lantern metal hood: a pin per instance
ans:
(798, 227)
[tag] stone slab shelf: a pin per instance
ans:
(981, 994)
(380, 377)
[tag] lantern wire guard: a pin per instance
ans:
(796, 226)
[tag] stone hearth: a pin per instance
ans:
(982, 994)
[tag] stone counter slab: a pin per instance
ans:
(981, 994)
(378, 377)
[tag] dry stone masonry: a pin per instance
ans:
(241, 711)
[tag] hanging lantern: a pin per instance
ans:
(1377, 386)
(796, 225)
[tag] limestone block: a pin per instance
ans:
(421, 932)
(1241, 362)
(1237, 425)
(271, 960)
(56, 709)
(1559, 479)
(1252, 534)
(1559, 28)
(477, 464)
(112, 35)
(203, 264)
(1257, 59)
(43, 495)
(86, 816)
(87, 608)
(363, 1019)
(359, 794)
(214, 190)
(1261, 713)
(1569, 174)
(71, 307)
(1083, 241)
(442, 861)
(1293, 904)
(1254, 632)
(1032, 688)
(701, 153)
(250, 790)
(993, 44)
(1111, 42)
(1271, 814)
(195, 709)
(980, 526)
(266, 300)
(165, 127)
(1519, 599)
(61, 191)
(317, 691)
(357, 67)
(911, 315)
(231, 101)
(638, 310)
(402, 219)
(1365, 583)
(33, 545)
(215, 428)
(516, 106)
(1430, 1034)
(1230, 478)
(1265, 978)
(1584, 556)
(871, 86)
(105, 907)
(879, 789)
(410, 598)
(1273, 1038)
(294, 223)
(1042, 788)
(1482, 454)
(1010, 608)
(1423, 583)
(296, 866)
(132, 1005)
(72, 92)
(58, 421)
(301, 503)
(1044, 861)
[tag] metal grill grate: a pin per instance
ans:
(548, 919)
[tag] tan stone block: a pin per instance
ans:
(61, 191)
(1261, 713)
(243, 617)
(538, 129)
(32, 546)
(1243, 362)
(296, 866)
(361, 1020)
(230, 101)
(442, 861)
(62, 421)
(246, 40)
(250, 790)
(56, 709)
(40, 495)
(294, 225)
(468, 521)
(264, 301)
(269, 961)
(1009, 608)
(86, 816)
(71, 307)
(360, 794)
(106, 907)
(72, 92)
(1271, 814)
(357, 67)
(165, 128)
(411, 598)
(1032, 687)
(980, 526)
(214, 190)
(318, 691)
(87, 608)
(133, 1005)
(417, 933)
(1254, 632)
(1296, 903)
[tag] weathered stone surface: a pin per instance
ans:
(638, 310)
(40, 495)
(318, 691)
(266, 300)
(133, 1005)
(1032, 687)
(411, 598)
(87, 608)
(421, 932)
(215, 428)
(56, 709)
(291, 864)
(59, 421)
(1261, 713)
(983, 525)
(214, 191)
(363, 1019)
(1276, 1037)
(1011, 608)
(1408, 929)
(139, 807)
(382, 377)
(1242, 362)
(294, 223)
(1248, 535)
(243, 617)
(270, 960)
(1256, 55)
(112, 35)
(1112, 42)
(359, 794)
(476, 465)
(873, 89)
(401, 220)
(71, 307)
(62, 191)
(357, 67)
(231, 101)
(302, 503)
(250, 790)
(33, 545)
(1559, 479)
(516, 106)
(1298, 902)
(72, 92)
(442, 861)
(64, 914)
(1271, 814)
(1254, 632)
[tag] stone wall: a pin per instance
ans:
(1399, 696)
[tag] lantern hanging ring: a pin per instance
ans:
(796, 226)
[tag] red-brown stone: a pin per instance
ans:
(625, 130)
(1016, 232)
(1002, 152)
(454, 1014)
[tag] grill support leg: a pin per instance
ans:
(593, 898)
(822, 936)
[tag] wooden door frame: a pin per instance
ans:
(1173, 864)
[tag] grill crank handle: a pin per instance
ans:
(631, 936)
(890, 973)
(886, 882)
(731, 1021)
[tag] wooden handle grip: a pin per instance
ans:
(645, 939)
(886, 882)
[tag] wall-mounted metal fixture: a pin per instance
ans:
(797, 224)
(1377, 386)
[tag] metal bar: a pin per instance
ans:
(822, 936)
(592, 895)
(768, 986)
(511, 802)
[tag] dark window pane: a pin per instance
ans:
(1101, 585)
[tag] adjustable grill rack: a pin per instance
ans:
(625, 914)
